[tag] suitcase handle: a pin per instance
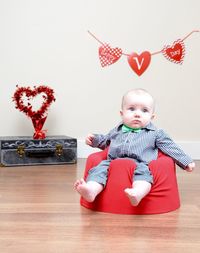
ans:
(40, 153)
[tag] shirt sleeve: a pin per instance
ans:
(169, 147)
(102, 141)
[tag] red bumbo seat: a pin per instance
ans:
(163, 197)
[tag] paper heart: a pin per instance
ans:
(139, 63)
(108, 55)
(176, 52)
(38, 117)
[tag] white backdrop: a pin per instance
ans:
(45, 42)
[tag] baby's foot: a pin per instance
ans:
(84, 190)
(133, 197)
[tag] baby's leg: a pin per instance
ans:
(140, 189)
(88, 190)
(96, 180)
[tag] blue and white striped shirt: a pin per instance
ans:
(141, 146)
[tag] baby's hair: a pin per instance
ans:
(138, 91)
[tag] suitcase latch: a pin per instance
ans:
(20, 150)
(59, 149)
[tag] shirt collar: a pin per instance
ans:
(150, 126)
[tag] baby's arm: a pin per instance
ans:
(97, 140)
(100, 140)
(89, 139)
(190, 167)
(169, 147)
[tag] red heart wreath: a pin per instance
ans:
(38, 117)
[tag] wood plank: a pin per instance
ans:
(40, 212)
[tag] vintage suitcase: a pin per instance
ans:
(24, 150)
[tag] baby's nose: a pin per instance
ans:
(137, 113)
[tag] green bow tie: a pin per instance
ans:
(126, 129)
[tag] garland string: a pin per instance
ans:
(158, 52)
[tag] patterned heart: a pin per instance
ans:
(108, 55)
(176, 52)
(139, 63)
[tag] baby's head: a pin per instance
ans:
(137, 108)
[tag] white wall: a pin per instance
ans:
(46, 42)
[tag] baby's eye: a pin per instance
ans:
(131, 109)
(145, 110)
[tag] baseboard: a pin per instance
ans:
(191, 148)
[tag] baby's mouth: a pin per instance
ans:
(136, 121)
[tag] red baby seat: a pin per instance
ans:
(163, 197)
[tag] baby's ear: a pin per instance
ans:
(153, 116)
(121, 113)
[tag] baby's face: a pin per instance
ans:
(137, 110)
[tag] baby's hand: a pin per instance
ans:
(89, 139)
(190, 167)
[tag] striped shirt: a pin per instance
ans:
(141, 146)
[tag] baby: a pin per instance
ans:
(134, 138)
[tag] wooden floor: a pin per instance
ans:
(40, 213)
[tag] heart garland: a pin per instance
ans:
(140, 62)
(38, 117)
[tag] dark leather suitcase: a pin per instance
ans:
(24, 150)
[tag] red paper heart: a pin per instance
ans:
(139, 63)
(176, 52)
(108, 55)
